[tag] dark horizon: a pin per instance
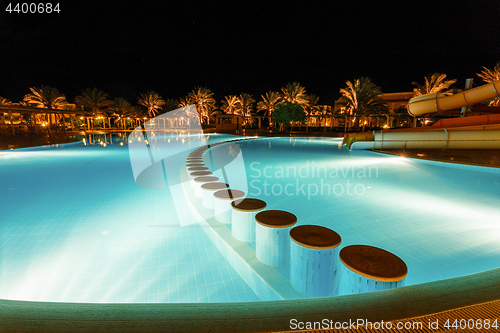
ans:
(235, 48)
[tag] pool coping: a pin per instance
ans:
(271, 316)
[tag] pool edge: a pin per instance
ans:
(388, 305)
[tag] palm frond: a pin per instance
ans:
(435, 83)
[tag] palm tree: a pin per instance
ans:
(245, 106)
(46, 97)
(205, 103)
(185, 101)
(170, 105)
(269, 102)
(120, 109)
(4, 101)
(152, 101)
(185, 112)
(295, 93)
(136, 112)
(362, 97)
(436, 83)
(489, 76)
(311, 107)
(94, 99)
(230, 104)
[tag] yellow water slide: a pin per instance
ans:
(438, 102)
(439, 138)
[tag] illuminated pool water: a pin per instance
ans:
(76, 228)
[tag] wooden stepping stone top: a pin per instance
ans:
(197, 169)
(206, 179)
(276, 218)
(215, 186)
(229, 194)
(248, 204)
(315, 237)
(373, 263)
(196, 174)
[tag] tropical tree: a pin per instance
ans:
(230, 104)
(436, 83)
(152, 101)
(184, 112)
(46, 97)
(4, 101)
(362, 97)
(491, 75)
(245, 105)
(269, 102)
(205, 103)
(288, 112)
(295, 93)
(170, 105)
(311, 107)
(136, 112)
(119, 109)
(184, 101)
(95, 100)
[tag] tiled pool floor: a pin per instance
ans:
(77, 228)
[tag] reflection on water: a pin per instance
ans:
(154, 138)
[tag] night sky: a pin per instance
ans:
(126, 48)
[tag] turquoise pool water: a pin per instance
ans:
(75, 227)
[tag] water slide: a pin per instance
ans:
(438, 102)
(437, 137)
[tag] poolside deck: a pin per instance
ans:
(477, 313)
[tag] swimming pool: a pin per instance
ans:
(76, 228)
